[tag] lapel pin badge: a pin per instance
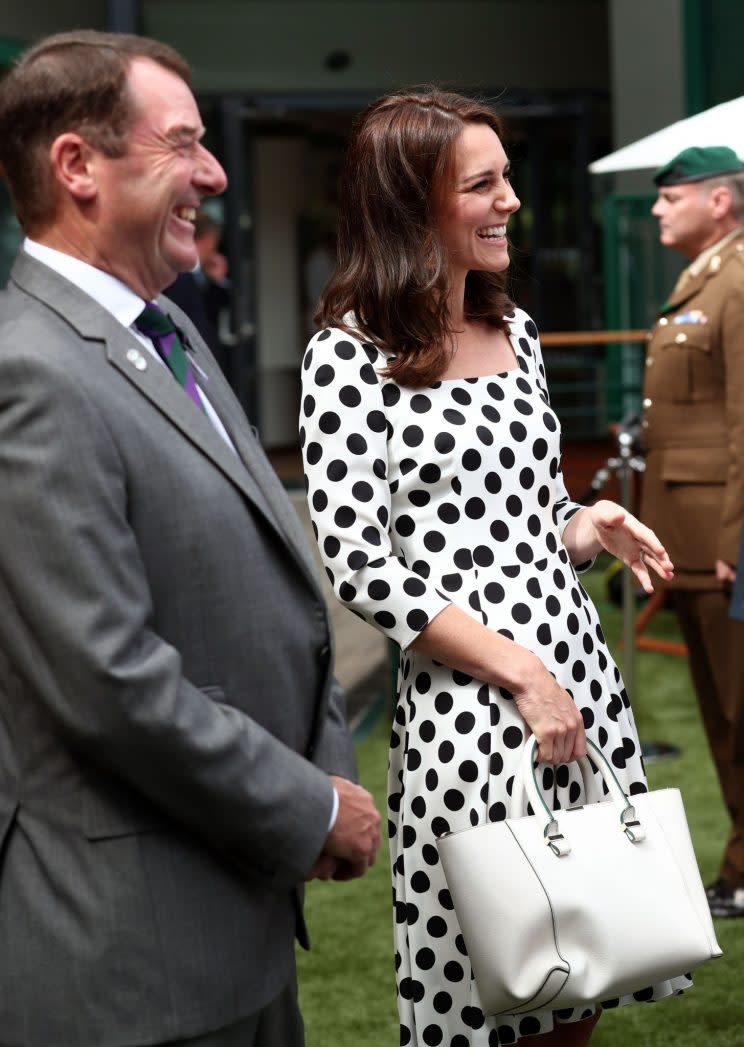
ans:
(136, 358)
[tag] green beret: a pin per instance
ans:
(698, 163)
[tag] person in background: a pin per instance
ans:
(693, 428)
(204, 292)
(317, 269)
(174, 760)
(432, 460)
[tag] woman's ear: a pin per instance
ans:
(71, 158)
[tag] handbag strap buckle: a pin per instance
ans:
(634, 831)
(556, 841)
(631, 826)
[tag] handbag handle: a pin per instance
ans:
(554, 838)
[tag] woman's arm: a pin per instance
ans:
(344, 440)
(457, 640)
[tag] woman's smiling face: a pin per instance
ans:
(475, 208)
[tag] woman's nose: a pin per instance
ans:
(509, 202)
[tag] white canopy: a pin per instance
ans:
(721, 125)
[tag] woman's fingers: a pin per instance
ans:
(579, 747)
(646, 559)
(562, 749)
(640, 570)
(653, 552)
(640, 550)
(552, 716)
(661, 564)
(621, 534)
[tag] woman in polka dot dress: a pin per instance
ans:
(432, 463)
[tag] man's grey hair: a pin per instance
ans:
(735, 185)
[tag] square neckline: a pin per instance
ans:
(498, 374)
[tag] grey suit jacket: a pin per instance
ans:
(167, 708)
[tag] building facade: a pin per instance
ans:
(279, 83)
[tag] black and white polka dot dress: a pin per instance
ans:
(453, 494)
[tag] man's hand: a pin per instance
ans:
(215, 267)
(355, 838)
(725, 572)
(329, 868)
(324, 868)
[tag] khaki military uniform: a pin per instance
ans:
(693, 495)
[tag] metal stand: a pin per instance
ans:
(623, 465)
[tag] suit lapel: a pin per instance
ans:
(250, 451)
(157, 384)
(248, 470)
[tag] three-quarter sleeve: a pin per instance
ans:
(344, 439)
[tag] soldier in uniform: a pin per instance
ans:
(693, 425)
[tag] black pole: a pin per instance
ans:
(583, 193)
(536, 151)
(124, 16)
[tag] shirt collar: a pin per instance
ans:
(110, 293)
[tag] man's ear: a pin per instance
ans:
(721, 202)
(72, 164)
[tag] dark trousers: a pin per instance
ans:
(716, 648)
(279, 1024)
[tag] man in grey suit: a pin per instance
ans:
(174, 761)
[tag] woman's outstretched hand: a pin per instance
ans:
(552, 716)
(607, 525)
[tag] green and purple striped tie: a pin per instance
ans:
(157, 325)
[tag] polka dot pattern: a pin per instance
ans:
(453, 494)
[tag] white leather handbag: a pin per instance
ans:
(571, 908)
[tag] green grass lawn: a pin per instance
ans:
(347, 986)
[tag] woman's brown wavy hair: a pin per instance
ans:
(393, 274)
